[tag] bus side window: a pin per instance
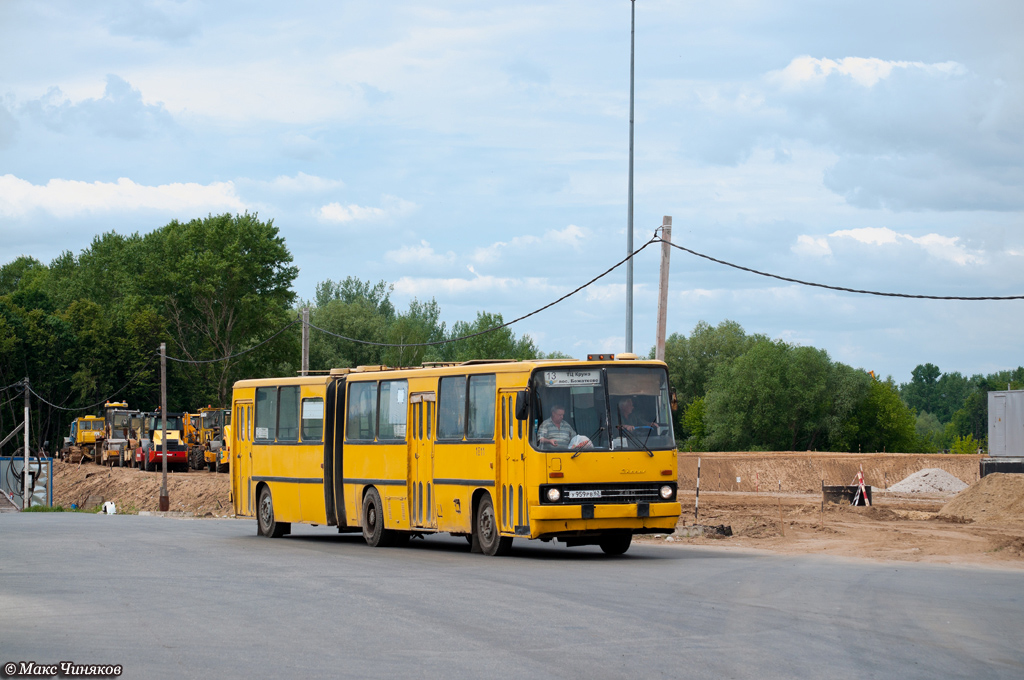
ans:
(394, 407)
(452, 408)
(266, 413)
(430, 415)
(312, 419)
(481, 406)
(288, 415)
(504, 402)
(362, 411)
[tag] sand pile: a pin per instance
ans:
(996, 498)
(931, 481)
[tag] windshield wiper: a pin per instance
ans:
(599, 430)
(636, 442)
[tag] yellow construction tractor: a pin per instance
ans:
(82, 442)
(191, 430)
(215, 435)
(122, 433)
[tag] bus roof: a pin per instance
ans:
(440, 369)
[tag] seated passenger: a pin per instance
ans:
(555, 431)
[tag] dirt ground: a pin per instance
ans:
(204, 494)
(894, 528)
(905, 527)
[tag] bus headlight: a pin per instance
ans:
(666, 492)
(554, 495)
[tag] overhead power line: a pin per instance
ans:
(236, 354)
(99, 403)
(842, 289)
(500, 326)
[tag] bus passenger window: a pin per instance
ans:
(481, 407)
(503, 400)
(288, 419)
(394, 406)
(452, 408)
(266, 413)
(430, 415)
(419, 420)
(362, 411)
(312, 419)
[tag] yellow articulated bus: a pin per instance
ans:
(579, 451)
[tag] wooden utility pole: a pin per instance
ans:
(666, 250)
(305, 341)
(24, 470)
(165, 501)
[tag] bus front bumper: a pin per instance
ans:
(555, 520)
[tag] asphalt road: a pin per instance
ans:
(180, 598)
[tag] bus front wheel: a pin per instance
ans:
(268, 524)
(616, 543)
(486, 529)
(373, 521)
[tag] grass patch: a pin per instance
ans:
(60, 508)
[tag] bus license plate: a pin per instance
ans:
(595, 493)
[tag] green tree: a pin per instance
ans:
(694, 430)
(224, 285)
(884, 422)
(499, 344)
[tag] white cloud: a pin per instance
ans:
(936, 245)
(302, 183)
(809, 245)
(572, 237)
(866, 72)
(422, 286)
(419, 254)
(67, 198)
(392, 207)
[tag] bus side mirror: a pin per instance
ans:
(523, 405)
(673, 400)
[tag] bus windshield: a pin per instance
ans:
(603, 407)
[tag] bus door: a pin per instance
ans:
(241, 466)
(422, 408)
(512, 499)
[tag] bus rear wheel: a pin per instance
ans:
(616, 543)
(268, 525)
(373, 522)
(486, 528)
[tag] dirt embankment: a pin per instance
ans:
(996, 499)
(205, 494)
(804, 472)
(895, 528)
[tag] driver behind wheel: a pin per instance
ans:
(630, 419)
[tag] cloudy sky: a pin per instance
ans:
(477, 153)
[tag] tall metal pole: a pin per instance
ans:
(629, 210)
(305, 341)
(666, 250)
(24, 470)
(165, 501)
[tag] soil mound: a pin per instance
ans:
(931, 480)
(132, 490)
(996, 498)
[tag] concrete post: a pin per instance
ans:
(666, 249)
(305, 341)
